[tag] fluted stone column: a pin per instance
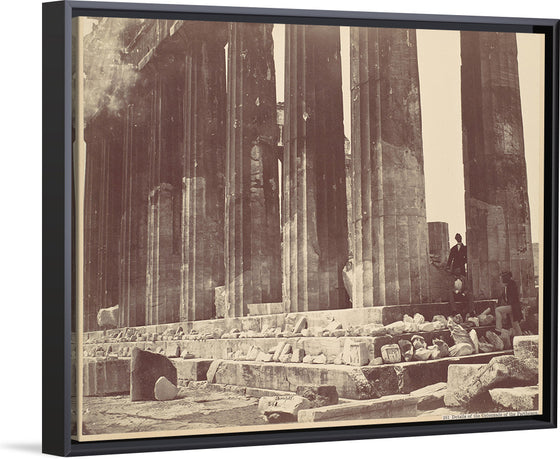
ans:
(438, 235)
(102, 210)
(203, 173)
(390, 250)
(132, 272)
(163, 284)
(252, 221)
(496, 200)
(314, 217)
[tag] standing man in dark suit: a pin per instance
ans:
(457, 260)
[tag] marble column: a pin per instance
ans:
(163, 281)
(390, 248)
(496, 200)
(102, 210)
(252, 221)
(314, 220)
(204, 133)
(438, 234)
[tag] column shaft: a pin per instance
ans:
(203, 170)
(252, 222)
(496, 200)
(314, 220)
(390, 246)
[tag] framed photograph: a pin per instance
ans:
(269, 226)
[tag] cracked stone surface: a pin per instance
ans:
(192, 409)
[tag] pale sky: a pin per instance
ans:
(439, 63)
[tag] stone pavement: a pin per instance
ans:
(192, 409)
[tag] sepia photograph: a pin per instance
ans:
(299, 226)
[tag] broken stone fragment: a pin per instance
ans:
(461, 349)
(441, 319)
(253, 353)
(427, 327)
(419, 318)
(145, 369)
(396, 328)
(441, 349)
(484, 346)
(173, 351)
(165, 390)
(285, 407)
(220, 301)
(355, 353)
(338, 333)
(459, 334)
(505, 336)
(502, 371)
(108, 317)
(320, 359)
(377, 361)
(285, 358)
(418, 342)
(407, 350)
(287, 349)
(333, 325)
(278, 351)
(308, 359)
(306, 332)
(430, 397)
(187, 355)
(422, 354)
(411, 327)
(300, 325)
(474, 338)
(474, 321)
(261, 356)
(526, 346)
(298, 355)
(318, 395)
(391, 353)
(338, 359)
(439, 325)
(516, 398)
(375, 329)
(485, 319)
(495, 340)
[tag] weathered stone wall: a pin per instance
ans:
(496, 201)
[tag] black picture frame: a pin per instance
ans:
(58, 228)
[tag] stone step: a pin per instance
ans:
(224, 348)
(315, 319)
(391, 406)
(351, 382)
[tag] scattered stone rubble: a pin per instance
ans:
(285, 408)
(431, 339)
(507, 382)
